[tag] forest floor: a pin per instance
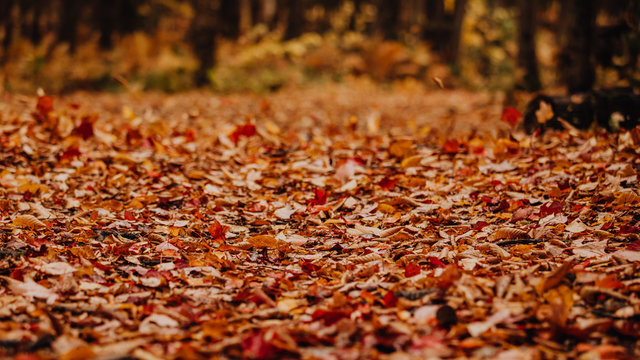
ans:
(329, 223)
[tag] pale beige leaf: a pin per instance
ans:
(366, 258)
(576, 226)
(30, 289)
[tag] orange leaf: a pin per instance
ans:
(217, 230)
(263, 241)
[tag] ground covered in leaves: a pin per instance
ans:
(318, 224)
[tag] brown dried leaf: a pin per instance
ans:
(626, 197)
(509, 234)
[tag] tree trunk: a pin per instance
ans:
(527, 59)
(202, 36)
(295, 19)
(69, 14)
(228, 20)
(388, 17)
(356, 10)
(444, 29)
(268, 13)
(6, 20)
(577, 62)
(245, 15)
(456, 31)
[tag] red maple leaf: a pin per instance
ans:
(388, 184)
(411, 270)
(634, 246)
(451, 146)
(319, 199)
(71, 152)
(44, 105)
(329, 317)
(553, 207)
(247, 130)
(511, 116)
(217, 230)
(435, 262)
(390, 299)
(255, 346)
(85, 129)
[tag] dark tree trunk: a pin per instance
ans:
(6, 20)
(388, 17)
(444, 30)
(36, 32)
(295, 18)
(527, 59)
(229, 19)
(116, 17)
(356, 10)
(456, 32)
(69, 14)
(577, 63)
(202, 36)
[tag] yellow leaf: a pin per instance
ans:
(411, 161)
(272, 127)
(28, 221)
(32, 188)
(401, 148)
(112, 205)
(79, 353)
(544, 113)
(196, 175)
(386, 209)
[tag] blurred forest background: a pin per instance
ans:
(263, 45)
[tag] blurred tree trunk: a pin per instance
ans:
(36, 32)
(295, 18)
(6, 20)
(456, 33)
(69, 15)
(245, 18)
(357, 4)
(267, 13)
(576, 62)
(29, 19)
(106, 12)
(527, 59)
(388, 18)
(228, 21)
(202, 35)
(444, 29)
(116, 17)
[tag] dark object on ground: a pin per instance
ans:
(609, 108)
(446, 316)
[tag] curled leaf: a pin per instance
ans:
(366, 258)
(509, 234)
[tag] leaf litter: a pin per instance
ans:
(312, 225)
